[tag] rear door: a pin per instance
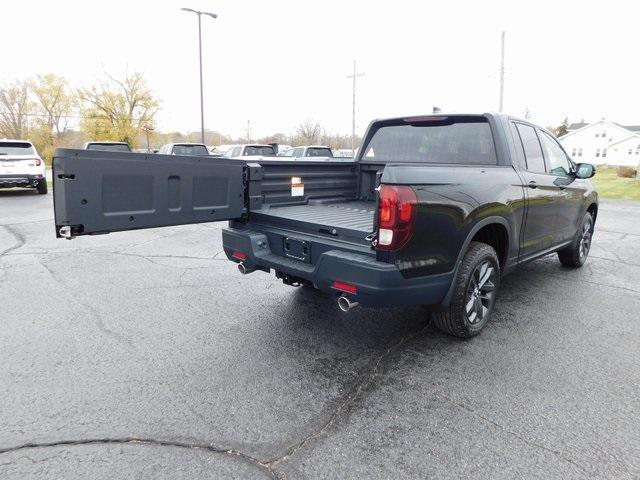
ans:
(539, 231)
(101, 192)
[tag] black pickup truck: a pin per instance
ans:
(433, 211)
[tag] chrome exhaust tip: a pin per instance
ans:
(345, 304)
(243, 269)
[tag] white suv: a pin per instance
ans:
(21, 166)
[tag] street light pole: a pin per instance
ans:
(212, 15)
(501, 102)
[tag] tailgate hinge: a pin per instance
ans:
(372, 238)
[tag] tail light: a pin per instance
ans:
(38, 162)
(396, 212)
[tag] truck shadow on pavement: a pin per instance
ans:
(18, 192)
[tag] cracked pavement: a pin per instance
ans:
(146, 355)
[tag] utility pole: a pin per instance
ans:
(353, 116)
(501, 71)
(214, 16)
(248, 131)
(147, 129)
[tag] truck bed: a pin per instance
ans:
(349, 220)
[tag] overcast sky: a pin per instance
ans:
(278, 62)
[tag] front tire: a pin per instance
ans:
(474, 293)
(42, 187)
(575, 254)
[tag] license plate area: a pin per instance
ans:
(296, 249)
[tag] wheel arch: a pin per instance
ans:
(593, 210)
(491, 230)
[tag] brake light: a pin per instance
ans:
(38, 162)
(344, 287)
(396, 212)
(425, 118)
(239, 255)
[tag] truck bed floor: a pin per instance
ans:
(353, 215)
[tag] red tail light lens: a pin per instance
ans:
(396, 211)
(344, 287)
(38, 162)
(239, 255)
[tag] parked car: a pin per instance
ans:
(193, 149)
(311, 151)
(254, 150)
(108, 146)
(343, 153)
(216, 151)
(21, 166)
(281, 148)
(435, 210)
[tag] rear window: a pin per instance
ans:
(464, 140)
(109, 147)
(190, 150)
(267, 151)
(16, 148)
(319, 152)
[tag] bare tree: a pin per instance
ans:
(14, 103)
(119, 109)
(309, 131)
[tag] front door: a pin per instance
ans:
(102, 192)
(570, 190)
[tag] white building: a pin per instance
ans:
(625, 152)
(603, 143)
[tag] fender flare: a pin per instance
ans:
(475, 229)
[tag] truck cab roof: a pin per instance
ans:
(107, 146)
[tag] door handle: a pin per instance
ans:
(562, 187)
(533, 184)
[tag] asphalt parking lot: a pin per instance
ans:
(147, 355)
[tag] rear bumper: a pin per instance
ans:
(20, 180)
(378, 284)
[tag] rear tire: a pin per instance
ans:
(42, 187)
(576, 253)
(474, 294)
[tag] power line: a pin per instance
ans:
(91, 117)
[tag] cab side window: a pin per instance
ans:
(532, 149)
(556, 158)
(519, 157)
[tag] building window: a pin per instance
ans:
(573, 152)
(597, 152)
(604, 134)
(597, 134)
(630, 150)
(604, 152)
(579, 152)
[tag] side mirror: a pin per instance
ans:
(585, 170)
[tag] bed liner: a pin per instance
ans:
(349, 219)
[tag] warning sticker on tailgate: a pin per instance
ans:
(297, 187)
